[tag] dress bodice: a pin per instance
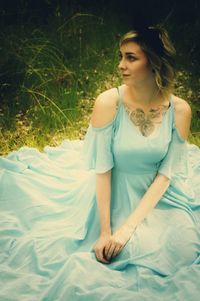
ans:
(120, 146)
(135, 153)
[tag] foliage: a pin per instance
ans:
(51, 74)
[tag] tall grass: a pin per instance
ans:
(50, 76)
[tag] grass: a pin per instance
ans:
(51, 75)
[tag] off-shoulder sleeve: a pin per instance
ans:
(97, 148)
(175, 162)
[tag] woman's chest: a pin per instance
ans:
(132, 150)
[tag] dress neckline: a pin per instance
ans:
(155, 131)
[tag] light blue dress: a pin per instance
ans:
(49, 219)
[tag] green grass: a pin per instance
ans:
(51, 75)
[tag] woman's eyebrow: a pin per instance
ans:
(128, 53)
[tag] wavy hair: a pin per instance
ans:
(156, 44)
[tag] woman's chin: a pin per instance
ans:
(126, 79)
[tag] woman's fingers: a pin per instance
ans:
(117, 251)
(107, 248)
(113, 249)
(99, 247)
(100, 256)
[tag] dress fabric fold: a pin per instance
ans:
(49, 221)
(97, 149)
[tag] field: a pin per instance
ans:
(51, 74)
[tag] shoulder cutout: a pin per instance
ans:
(105, 108)
(183, 115)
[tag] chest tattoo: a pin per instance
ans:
(147, 122)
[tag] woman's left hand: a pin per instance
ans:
(117, 241)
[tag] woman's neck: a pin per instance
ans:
(146, 95)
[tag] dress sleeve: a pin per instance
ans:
(175, 162)
(97, 148)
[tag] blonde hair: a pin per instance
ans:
(156, 44)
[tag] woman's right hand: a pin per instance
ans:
(99, 247)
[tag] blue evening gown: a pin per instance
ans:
(49, 219)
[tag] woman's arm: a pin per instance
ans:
(154, 192)
(103, 113)
(147, 203)
(103, 195)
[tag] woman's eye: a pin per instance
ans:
(131, 58)
(128, 57)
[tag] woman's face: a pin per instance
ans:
(134, 64)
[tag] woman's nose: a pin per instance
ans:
(122, 65)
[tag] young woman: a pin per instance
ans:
(116, 216)
(150, 120)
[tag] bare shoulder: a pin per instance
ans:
(182, 106)
(183, 115)
(104, 109)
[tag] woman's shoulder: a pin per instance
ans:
(183, 114)
(105, 107)
(108, 98)
(181, 106)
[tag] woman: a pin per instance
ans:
(136, 209)
(146, 65)
(136, 143)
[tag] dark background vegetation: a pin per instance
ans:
(56, 56)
